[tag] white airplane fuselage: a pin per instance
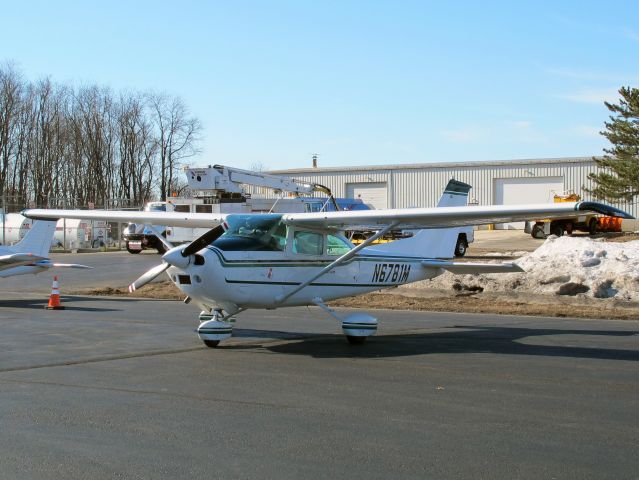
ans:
(233, 277)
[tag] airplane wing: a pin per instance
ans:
(176, 219)
(443, 217)
(18, 259)
(407, 218)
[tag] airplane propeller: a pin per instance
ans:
(177, 256)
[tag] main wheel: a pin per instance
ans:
(460, 248)
(538, 231)
(556, 229)
(353, 340)
(133, 251)
(592, 226)
(211, 343)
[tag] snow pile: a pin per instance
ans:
(561, 266)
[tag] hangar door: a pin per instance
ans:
(373, 193)
(517, 191)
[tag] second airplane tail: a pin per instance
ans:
(38, 239)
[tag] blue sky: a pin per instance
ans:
(359, 82)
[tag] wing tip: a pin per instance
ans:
(603, 209)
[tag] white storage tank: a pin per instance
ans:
(13, 227)
(76, 233)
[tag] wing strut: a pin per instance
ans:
(348, 255)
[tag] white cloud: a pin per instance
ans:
(631, 34)
(586, 131)
(522, 124)
(593, 76)
(521, 131)
(592, 95)
(464, 134)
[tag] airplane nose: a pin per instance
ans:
(175, 258)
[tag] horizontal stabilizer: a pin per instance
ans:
(18, 259)
(70, 265)
(467, 267)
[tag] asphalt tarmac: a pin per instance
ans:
(122, 388)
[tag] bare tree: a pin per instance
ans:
(65, 146)
(11, 86)
(177, 136)
(137, 149)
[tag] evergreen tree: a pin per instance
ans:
(618, 175)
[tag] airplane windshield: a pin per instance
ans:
(253, 232)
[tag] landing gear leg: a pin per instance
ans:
(357, 327)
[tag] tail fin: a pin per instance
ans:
(455, 194)
(433, 243)
(38, 239)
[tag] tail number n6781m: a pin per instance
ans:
(391, 272)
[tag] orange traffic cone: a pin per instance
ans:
(54, 299)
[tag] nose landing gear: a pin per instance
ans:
(214, 328)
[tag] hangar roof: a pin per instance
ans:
(447, 165)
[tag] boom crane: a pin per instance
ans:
(220, 189)
(230, 179)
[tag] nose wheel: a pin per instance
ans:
(214, 328)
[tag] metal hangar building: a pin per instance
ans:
(509, 182)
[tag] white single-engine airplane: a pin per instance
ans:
(269, 261)
(29, 255)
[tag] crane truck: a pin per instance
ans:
(222, 189)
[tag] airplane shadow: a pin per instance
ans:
(458, 339)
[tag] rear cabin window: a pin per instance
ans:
(336, 246)
(308, 243)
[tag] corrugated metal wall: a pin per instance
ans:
(422, 185)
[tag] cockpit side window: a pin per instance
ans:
(308, 243)
(336, 246)
(253, 233)
(278, 237)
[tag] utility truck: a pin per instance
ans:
(222, 189)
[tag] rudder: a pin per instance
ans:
(38, 239)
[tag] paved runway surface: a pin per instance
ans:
(122, 388)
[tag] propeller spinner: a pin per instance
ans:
(177, 256)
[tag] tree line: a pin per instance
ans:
(65, 146)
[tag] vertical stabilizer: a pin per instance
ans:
(455, 194)
(38, 239)
(432, 243)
